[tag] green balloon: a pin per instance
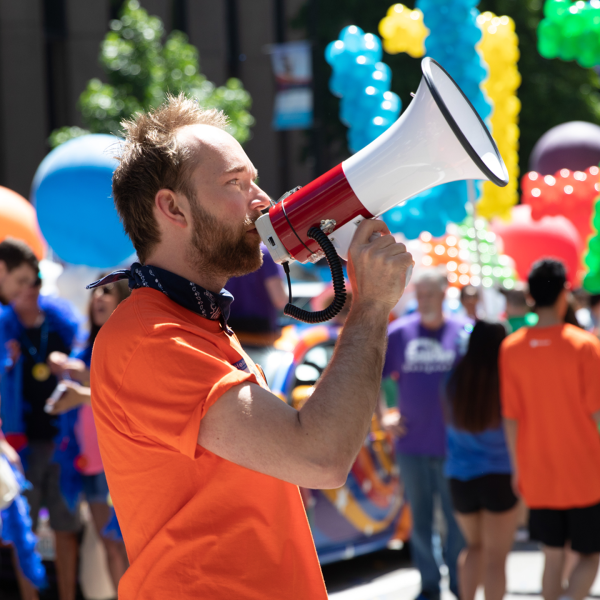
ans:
(548, 39)
(554, 9)
(574, 23)
(591, 282)
(594, 245)
(592, 261)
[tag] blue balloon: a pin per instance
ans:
(352, 36)
(72, 192)
(370, 100)
(333, 51)
(391, 102)
(381, 77)
(372, 48)
(367, 107)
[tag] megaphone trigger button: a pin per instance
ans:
(328, 225)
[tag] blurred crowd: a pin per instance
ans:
(493, 417)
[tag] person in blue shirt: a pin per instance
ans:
(478, 465)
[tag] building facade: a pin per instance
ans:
(49, 51)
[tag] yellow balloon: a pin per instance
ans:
(403, 30)
(499, 48)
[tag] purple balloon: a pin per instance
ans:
(574, 146)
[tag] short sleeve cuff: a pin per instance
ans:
(508, 412)
(189, 437)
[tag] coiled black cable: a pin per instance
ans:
(339, 286)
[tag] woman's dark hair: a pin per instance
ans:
(122, 290)
(473, 388)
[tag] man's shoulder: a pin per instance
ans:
(515, 339)
(150, 317)
(403, 324)
(459, 323)
(144, 310)
(580, 337)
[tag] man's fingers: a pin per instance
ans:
(367, 228)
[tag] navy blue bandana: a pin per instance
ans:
(183, 291)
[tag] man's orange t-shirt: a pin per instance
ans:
(195, 525)
(550, 384)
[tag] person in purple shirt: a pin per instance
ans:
(258, 299)
(422, 348)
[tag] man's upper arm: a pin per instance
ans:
(591, 378)
(251, 427)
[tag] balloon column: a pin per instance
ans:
(470, 255)
(429, 211)
(591, 281)
(18, 220)
(72, 193)
(451, 41)
(403, 30)
(362, 81)
(568, 193)
(500, 49)
(570, 31)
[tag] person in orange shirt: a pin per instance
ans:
(550, 391)
(202, 461)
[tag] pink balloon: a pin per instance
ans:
(527, 241)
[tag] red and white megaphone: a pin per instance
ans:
(440, 138)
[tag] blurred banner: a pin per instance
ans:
(293, 75)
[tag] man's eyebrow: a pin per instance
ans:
(240, 169)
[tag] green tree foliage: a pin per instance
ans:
(552, 92)
(141, 69)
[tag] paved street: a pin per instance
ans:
(381, 581)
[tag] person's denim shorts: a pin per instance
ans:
(95, 488)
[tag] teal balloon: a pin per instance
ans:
(352, 37)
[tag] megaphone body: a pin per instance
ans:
(440, 138)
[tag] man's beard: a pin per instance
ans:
(220, 249)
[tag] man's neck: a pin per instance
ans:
(30, 318)
(433, 324)
(207, 280)
(548, 317)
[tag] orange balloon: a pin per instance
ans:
(18, 220)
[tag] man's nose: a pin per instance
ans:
(261, 200)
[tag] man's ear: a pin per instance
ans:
(172, 207)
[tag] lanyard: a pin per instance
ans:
(38, 355)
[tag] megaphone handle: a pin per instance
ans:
(337, 276)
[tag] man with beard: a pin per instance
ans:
(202, 461)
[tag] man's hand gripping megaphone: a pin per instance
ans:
(379, 268)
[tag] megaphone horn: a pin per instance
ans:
(440, 138)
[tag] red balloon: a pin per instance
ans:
(18, 220)
(568, 193)
(527, 241)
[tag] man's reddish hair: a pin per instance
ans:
(151, 159)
